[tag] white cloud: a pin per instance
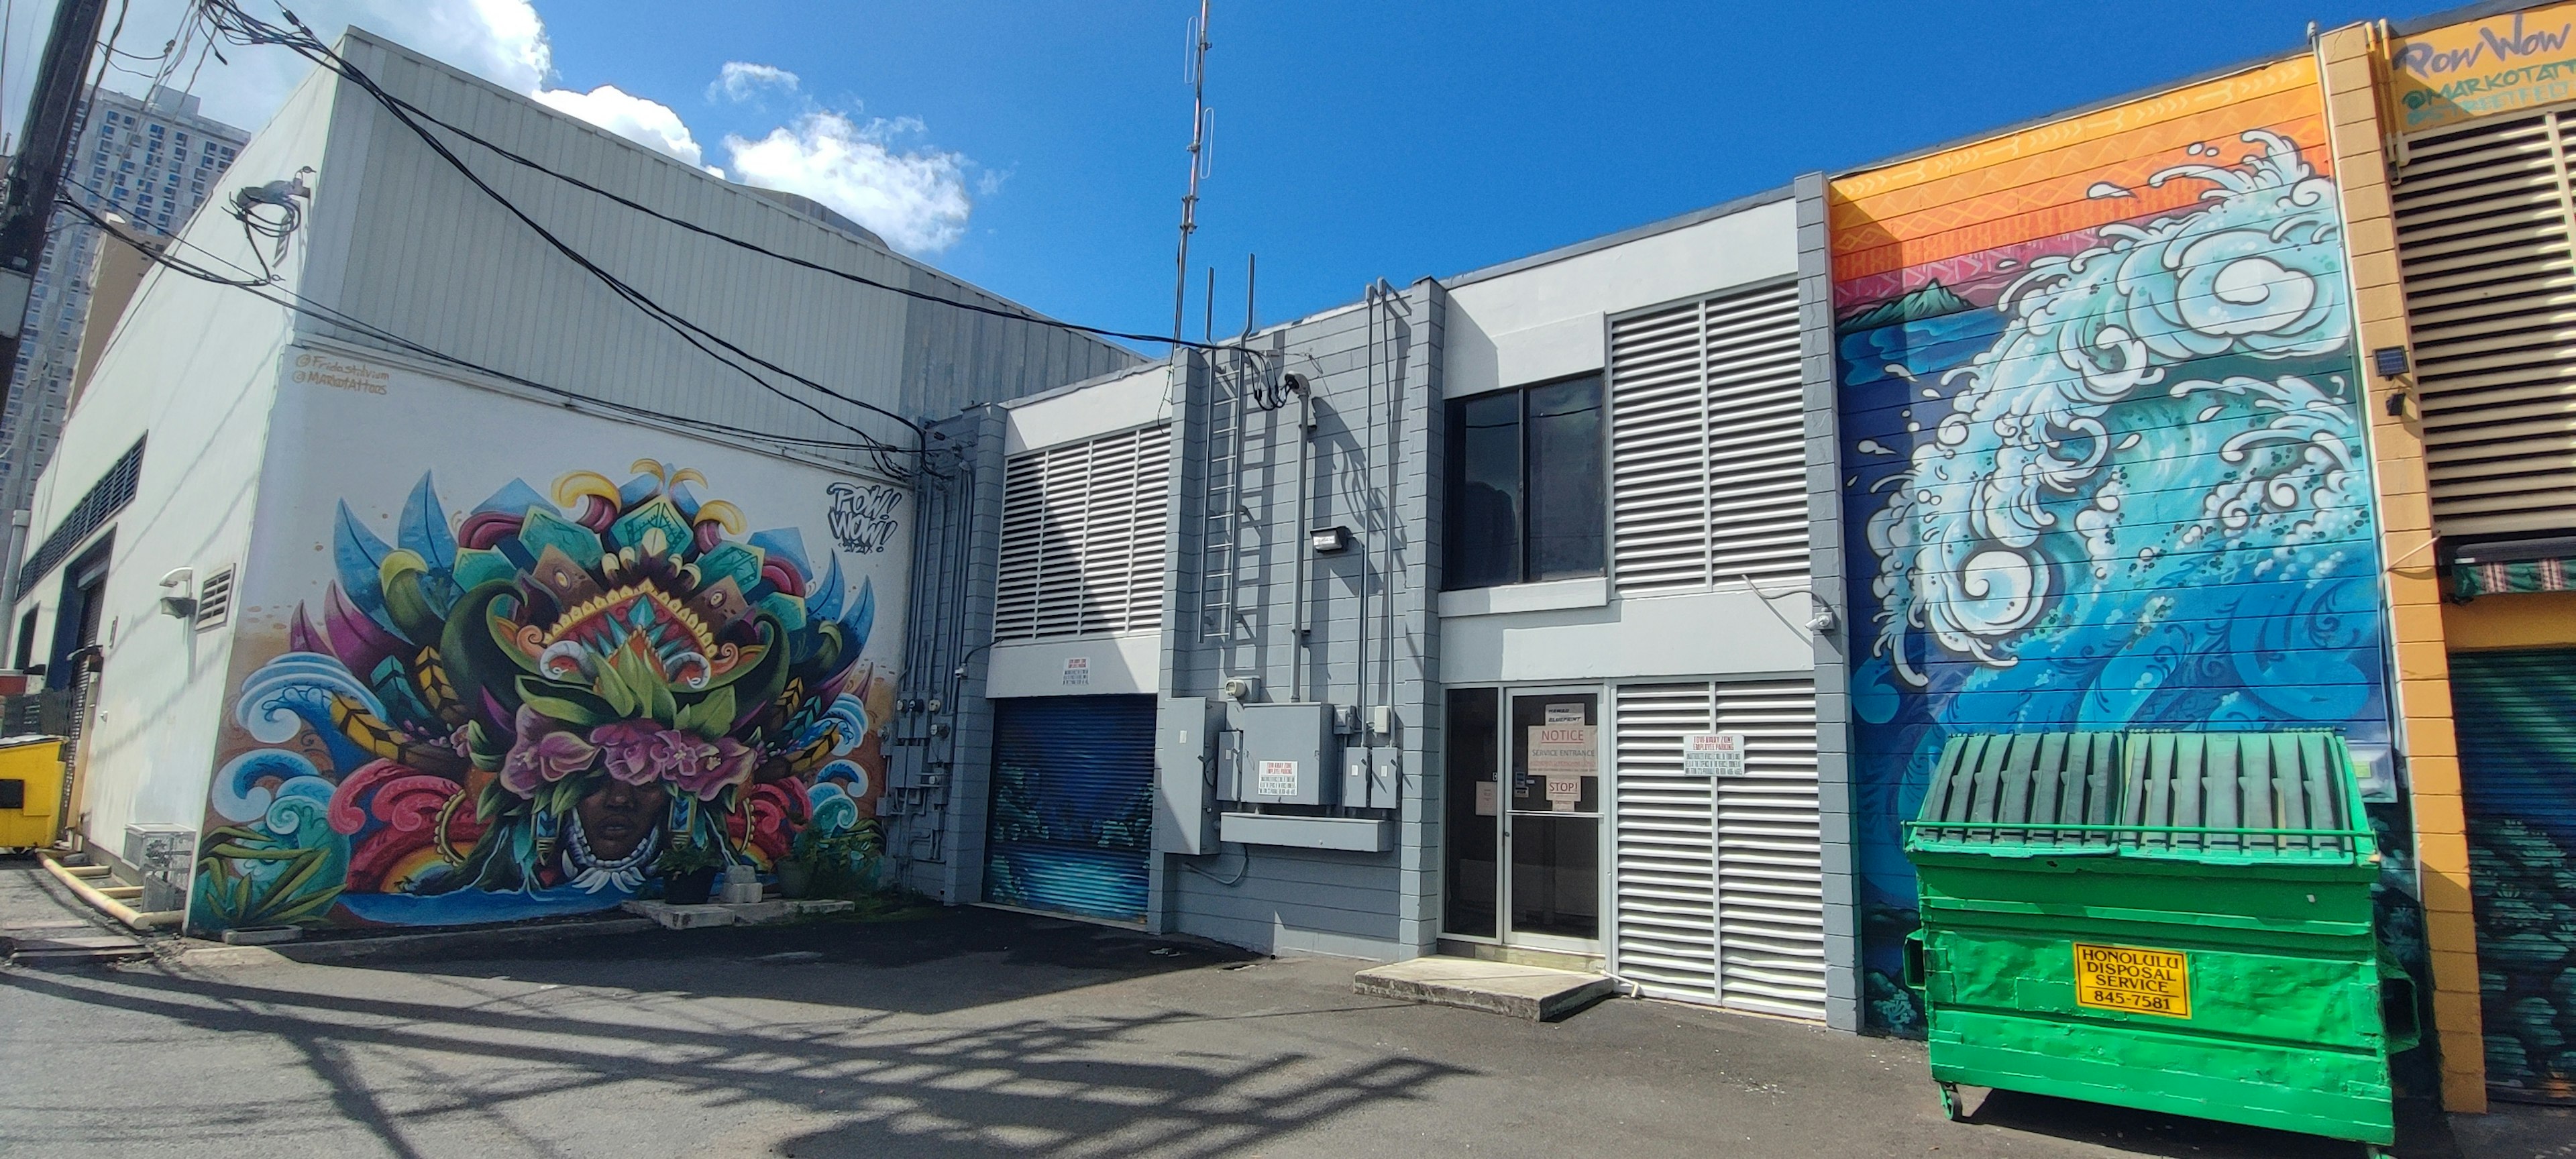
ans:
(648, 123)
(915, 199)
(743, 81)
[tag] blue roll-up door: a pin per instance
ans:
(2517, 726)
(1073, 805)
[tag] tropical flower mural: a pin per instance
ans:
(512, 714)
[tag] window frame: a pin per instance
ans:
(1452, 476)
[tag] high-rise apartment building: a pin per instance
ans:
(152, 161)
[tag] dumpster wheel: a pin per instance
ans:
(1950, 1102)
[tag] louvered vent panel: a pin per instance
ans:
(2483, 227)
(1659, 451)
(1770, 871)
(1707, 443)
(1082, 538)
(214, 600)
(1666, 885)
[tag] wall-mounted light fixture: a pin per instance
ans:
(1329, 540)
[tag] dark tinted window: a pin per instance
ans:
(1483, 534)
(1564, 478)
(1525, 486)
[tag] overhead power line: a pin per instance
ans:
(268, 289)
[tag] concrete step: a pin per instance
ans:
(72, 947)
(1536, 993)
(691, 917)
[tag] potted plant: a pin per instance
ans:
(838, 864)
(688, 872)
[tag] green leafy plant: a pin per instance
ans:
(297, 891)
(681, 858)
(843, 862)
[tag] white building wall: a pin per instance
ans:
(194, 367)
(1542, 319)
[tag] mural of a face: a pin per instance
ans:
(516, 710)
(618, 818)
(2104, 450)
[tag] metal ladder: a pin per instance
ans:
(1221, 503)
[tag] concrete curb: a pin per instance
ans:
(339, 950)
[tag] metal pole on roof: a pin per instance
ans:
(1197, 78)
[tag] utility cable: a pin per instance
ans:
(526, 161)
(249, 30)
(261, 288)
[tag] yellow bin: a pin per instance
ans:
(31, 791)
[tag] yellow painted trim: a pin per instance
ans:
(2423, 695)
(2526, 620)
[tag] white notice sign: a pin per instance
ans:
(1561, 756)
(1077, 670)
(1277, 779)
(1488, 798)
(1565, 713)
(1713, 754)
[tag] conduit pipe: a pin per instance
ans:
(100, 901)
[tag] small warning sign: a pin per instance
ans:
(1277, 779)
(1713, 754)
(2130, 979)
(1077, 671)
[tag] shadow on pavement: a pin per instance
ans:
(1071, 1083)
(2421, 1134)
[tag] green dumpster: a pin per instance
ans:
(2177, 922)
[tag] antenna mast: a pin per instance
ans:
(1198, 168)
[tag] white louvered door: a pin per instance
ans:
(1770, 869)
(1707, 443)
(2484, 214)
(1718, 893)
(1083, 538)
(1665, 853)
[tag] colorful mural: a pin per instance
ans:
(517, 713)
(2104, 447)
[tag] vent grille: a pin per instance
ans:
(214, 600)
(1720, 884)
(1708, 443)
(1083, 538)
(105, 498)
(2483, 228)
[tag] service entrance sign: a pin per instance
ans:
(2133, 980)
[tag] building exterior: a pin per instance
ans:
(153, 161)
(1385, 635)
(2108, 422)
(454, 587)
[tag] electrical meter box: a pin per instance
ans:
(1286, 755)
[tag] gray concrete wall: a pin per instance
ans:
(1827, 577)
(1369, 634)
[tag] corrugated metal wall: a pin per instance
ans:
(413, 247)
(2518, 782)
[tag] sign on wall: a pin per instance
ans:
(1561, 756)
(1713, 754)
(2483, 67)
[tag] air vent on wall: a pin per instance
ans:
(214, 599)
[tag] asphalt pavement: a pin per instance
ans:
(966, 1032)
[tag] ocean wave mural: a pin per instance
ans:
(513, 714)
(2103, 447)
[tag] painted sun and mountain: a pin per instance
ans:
(512, 714)
(2103, 446)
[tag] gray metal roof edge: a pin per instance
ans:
(1146, 367)
(378, 40)
(1607, 240)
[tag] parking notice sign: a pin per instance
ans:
(2133, 980)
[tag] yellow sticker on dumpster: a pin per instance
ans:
(2130, 979)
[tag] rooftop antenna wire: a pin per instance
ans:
(1197, 77)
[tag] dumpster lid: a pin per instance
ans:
(11, 742)
(2271, 796)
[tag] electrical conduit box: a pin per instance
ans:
(1184, 776)
(1286, 755)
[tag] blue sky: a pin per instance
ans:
(1353, 140)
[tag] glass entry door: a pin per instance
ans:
(1524, 812)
